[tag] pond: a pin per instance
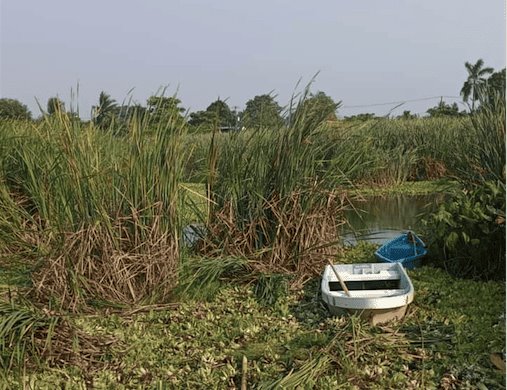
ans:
(378, 219)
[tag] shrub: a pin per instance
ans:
(469, 232)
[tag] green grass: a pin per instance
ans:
(99, 216)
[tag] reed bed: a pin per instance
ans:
(97, 217)
(391, 151)
(382, 151)
(274, 194)
(272, 198)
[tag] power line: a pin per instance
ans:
(403, 101)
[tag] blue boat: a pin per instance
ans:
(407, 249)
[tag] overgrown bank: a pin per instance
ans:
(451, 337)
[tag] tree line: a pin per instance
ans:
(482, 86)
(262, 111)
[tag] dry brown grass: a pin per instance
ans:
(70, 345)
(90, 266)
(287, 239)
(430, 168)
(33, 338)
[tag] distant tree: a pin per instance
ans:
(124, 116)
(55, 105)
(407, 115)
(132, 112)
(106, 112)
(497, 81)
(216, 114)
(221, 114)
(162, 109)
(444, 109)
(321, 105)
(200, 118)
(361, 117)
(262, 111)
(13, 109)
(496, 87)
(475, 82)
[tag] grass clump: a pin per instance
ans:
(201, 276)
(33, 339)
(97, 217)
(269, 288)
(271, 199)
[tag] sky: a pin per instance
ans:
(364, 53)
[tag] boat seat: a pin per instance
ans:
(400, 251)
(363, 285)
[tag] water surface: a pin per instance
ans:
(378, 219)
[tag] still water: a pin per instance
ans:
(378, 219)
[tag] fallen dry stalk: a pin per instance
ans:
(287, 239)
(90, 267)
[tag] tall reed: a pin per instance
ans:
(273, 198)
(486, 157)
(98, 213)
(383, 151)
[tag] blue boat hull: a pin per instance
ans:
(407, 249)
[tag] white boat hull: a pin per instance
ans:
(379, 292)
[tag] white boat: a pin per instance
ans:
(379, 292)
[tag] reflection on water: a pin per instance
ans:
(378, 219)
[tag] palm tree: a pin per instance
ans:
(103, 114)
(475, 81)
(55, 105)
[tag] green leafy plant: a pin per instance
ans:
(469, 229)
(269, 288)
(469, 232)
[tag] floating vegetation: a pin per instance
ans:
(38, 339)
(447, 337)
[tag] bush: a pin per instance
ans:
(469, 232)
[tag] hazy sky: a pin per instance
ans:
(367, 51)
